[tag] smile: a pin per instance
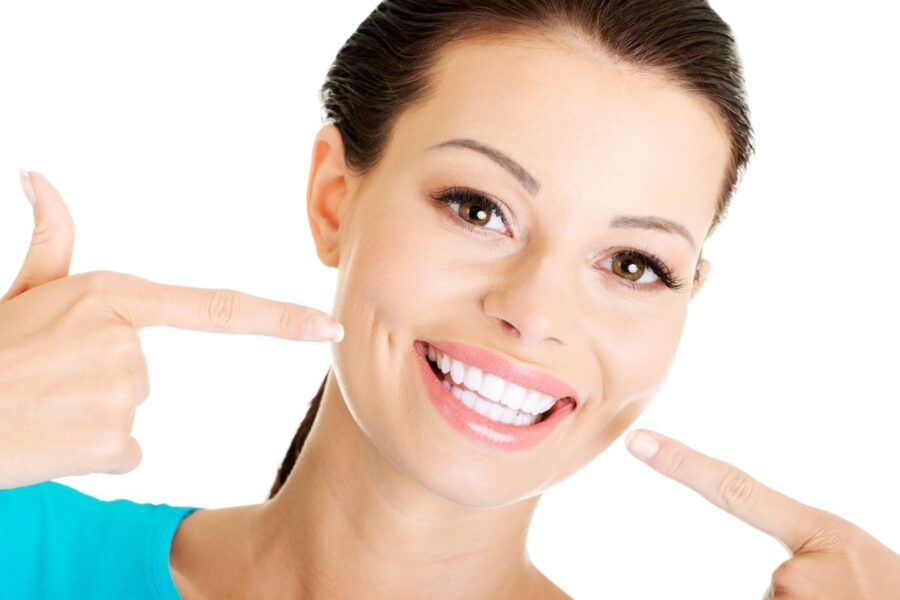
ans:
(487, 393)
(493, 401)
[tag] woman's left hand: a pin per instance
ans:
(831, 558)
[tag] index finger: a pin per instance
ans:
(734, 491)
(146, 303)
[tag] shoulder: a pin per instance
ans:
(202, 575)
(49, 506)
(27, 495)
(31, 510)
(89, 541)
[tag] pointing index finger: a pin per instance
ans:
(734, 491)
(146, 303)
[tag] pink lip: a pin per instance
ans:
(489, 362)
(478, 427)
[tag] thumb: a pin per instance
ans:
(52, 241)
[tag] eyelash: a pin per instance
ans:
(458, 195)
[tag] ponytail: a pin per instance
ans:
(299, 438)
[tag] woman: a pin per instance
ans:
(516, 197)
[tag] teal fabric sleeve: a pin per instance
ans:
(59, 543)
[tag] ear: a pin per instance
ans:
(702, 273)
(325, 193)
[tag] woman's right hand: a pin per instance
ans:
(71, 366)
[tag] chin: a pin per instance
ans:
(448, 467)
(465, 484)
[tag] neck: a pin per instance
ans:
(347, 523)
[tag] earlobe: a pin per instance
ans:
(325, 192)
(700, 276)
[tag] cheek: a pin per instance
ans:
(388, 294)
(634, 355)
(371, 272)
(642, 353)
(406, 274)
(382, 275)
(381, 301)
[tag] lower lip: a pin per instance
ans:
(476, 426)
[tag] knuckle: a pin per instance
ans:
(785, 571)
(27, 281)
(43, 233)
(290, 321)
(674, 460)
(125, 455)
(788, 576)
(137, 456)
(143, 381)
(121, 345)
(98, 281)
(736, 489)
(110, 446)
(145, 390)
(103, 289)
(833, 534)
(221, 307)
(97, 287)
(120, 391)
(107, 284)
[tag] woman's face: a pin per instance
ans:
(548, 285)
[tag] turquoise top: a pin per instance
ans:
(59, 543)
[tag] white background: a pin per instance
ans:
(180, 134)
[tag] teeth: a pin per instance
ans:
(497, 412)
(533, 401)
(491, 387)
(513, 395)
(516, 398)
(473, 379)
(548, 403)
(457, 371)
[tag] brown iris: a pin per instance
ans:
(629, 266)
(470, 208)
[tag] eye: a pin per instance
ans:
(641, 270)
(633, 267)
(474, 209)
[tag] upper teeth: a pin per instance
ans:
(491, 386)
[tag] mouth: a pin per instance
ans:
(485, 407)
(489, 394)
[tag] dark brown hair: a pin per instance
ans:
(384, 68)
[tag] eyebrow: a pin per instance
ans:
(636, 222)
(532, 186)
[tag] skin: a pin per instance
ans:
(386, 500)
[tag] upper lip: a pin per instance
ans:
(510, 370)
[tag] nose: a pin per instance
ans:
(528, 301)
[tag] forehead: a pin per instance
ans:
(584, 125)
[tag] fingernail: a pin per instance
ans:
(25, 178)
(324, 328)
(641, 445)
